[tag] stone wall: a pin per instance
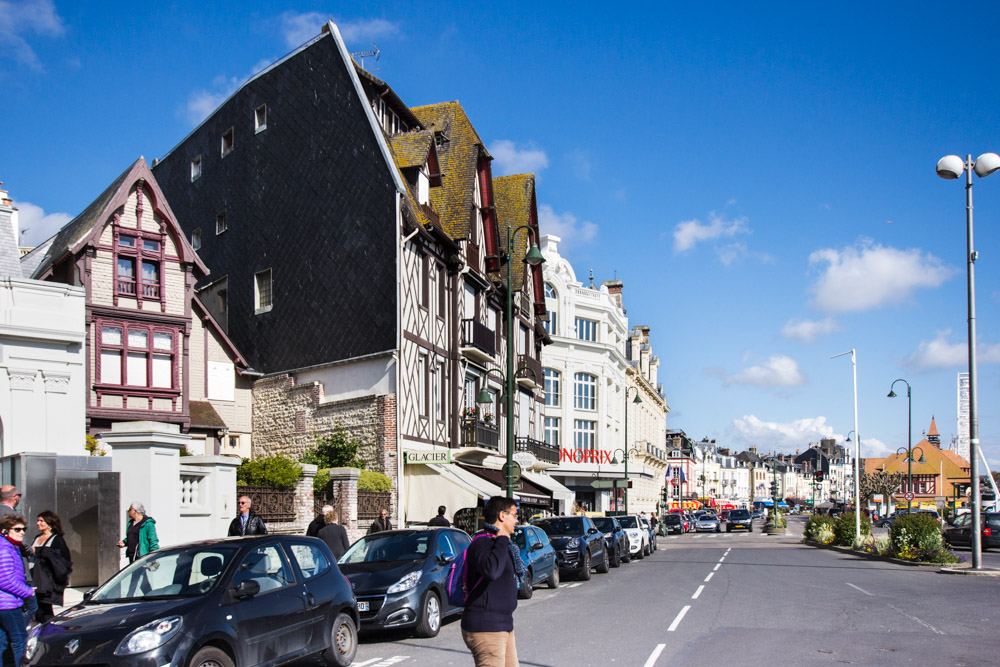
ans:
(304, 512)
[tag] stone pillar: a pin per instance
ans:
(211, 504)
(304, 512)
(146, 454)
(345, 499)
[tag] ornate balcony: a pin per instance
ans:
(543, 451)
(531, 377)
(478, 342)
(484, 435)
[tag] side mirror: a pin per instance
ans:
(445, 559)
(89, 594)
(591, 531)
(246, 589)
(536, 546)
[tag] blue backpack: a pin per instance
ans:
(458, 585)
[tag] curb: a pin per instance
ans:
(968, 571)
(867, 556)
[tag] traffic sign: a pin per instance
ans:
(515, 476)
(909, 495)
(602, 484)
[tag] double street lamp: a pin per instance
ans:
(951, 167)
(909, 439)
(626, 452)
(532, 258)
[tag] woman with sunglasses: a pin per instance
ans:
(13, 590)
(53, 564)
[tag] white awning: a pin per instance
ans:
(560, 493)
(428, 486)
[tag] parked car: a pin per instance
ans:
(216, 603)
(689, 517)
(759, 514)
(539, 557)
(673, 523)
(400, 577)
(638, 538)
(959, 532)
(578, 543)
(740, 520)
(887, 521)
(708, 523)
(615, 539)
(651, 533)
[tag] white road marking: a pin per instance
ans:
(367, 662)
(696, 537)
(923, 623)
(716, 568)
(573, 585)
(709, 577)
(651, 660)
(698, 592)
(728, 550)
(722, 559)
(678, 618)
(858, 588)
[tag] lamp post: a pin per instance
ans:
(909, 436)
(909, 469)
(625, 455)
(857, 445)
(635, 400)
(532, 258)
(951, 167)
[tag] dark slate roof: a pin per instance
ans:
(203, 415)
(514, 197)
(52, 250)
(458, 156)
(10, 261)
(386, 90)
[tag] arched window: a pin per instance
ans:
(552, 309)
(550, 291)
(553, 381)
(585, 391)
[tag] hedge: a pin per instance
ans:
(371, 480)
(843, 528)
(280, 472)
(819, 528)
(917, 536)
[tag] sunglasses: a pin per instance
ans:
(243, 502)
(17, 529)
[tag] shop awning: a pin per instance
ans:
(560, 493)
(428, 486)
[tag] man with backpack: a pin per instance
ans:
(491, 576)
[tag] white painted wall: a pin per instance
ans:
(352, 379)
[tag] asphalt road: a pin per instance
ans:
(746, 599)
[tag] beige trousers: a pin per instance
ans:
(492, 649)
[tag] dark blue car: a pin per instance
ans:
(539, 557)
(615, 539)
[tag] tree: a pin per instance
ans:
(335, 450)
(880, 482)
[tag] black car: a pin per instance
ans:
(739, 520)
(959, 532)
(400, 577)
(672, 523)
(578, 543)
(615, 539)
(220, 603)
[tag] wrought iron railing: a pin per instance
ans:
(480, 434)
(370, 503)
(272, 505)
(543, 451)
(532, 369)
(478, 335)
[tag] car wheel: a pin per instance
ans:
(750, 528)
(585, 570)
(554, 578)
(211, 657)
(603, 567)
(626, 554)
(616, 557)
(527, 589)
(343, 642)
(640, 554)
(430, 616)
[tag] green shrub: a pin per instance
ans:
(843, 528)
(917, 536)
(819, 528)
(336, 450)
(280, 472)
(320, 482)
(371, 480)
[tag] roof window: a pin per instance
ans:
(228, 141)
(260, 118)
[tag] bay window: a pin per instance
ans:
(137, 266)
(137, 355)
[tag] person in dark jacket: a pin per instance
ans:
(491, 588)
(381, 523)
(440, 519)
(334, 534)
(13, 589)
(53, 564)
(246, 522)
(316, 525)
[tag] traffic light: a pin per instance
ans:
(819, 476)
(774, 489)
(665, 495)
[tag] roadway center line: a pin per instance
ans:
(651, 660)
(709, 577)
(923, 623)
(367, 662)
(858, 588)
(698, 592)
(573, 585)
(717, 566)
(678, 618)
(696, 537)
(722, 559)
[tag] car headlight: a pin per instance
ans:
(406, 583)
(149, 636)
(32, 644)
(574, 543)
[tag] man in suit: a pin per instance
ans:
(246, 522)
(381, 523)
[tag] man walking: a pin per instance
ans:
(440, 519)
(334, 534)
(246, 522)
(491, 580)
(381, 523)
(140, 533)
(316, 525)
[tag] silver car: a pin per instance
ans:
(708, 523)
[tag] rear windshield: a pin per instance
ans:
(628, 522)
(992, 520)
(605, 524)
(736, 515)
(572, 526)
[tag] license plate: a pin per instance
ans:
(739, 525)
(362, 606)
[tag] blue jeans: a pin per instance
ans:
(30, 609)
(13, 631)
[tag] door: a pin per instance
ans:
(548, 554)
(272, 625)
(314, 570)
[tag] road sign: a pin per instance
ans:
(602, 484)
(515, 475)
(623, 484)
(909, 495)
(525, 459)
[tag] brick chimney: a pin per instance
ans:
(615, 288)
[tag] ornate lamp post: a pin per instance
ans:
(625, 455)
(909, 437)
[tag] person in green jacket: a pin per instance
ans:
(140, 533)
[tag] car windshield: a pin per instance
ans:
(179, 573)
(519, 537)
(628, 522)
(736, 515)
(605, 524)
(672, 518)
(707, 517)
(568, 526)
(386, 547)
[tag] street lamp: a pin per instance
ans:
(614, 461)
(951, 167)
(635, 400)
(857, 445)
(909, 438)
(532, 258)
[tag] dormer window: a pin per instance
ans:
(260, 118)
(228, 142)
(137, 267)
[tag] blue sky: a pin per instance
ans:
(761, 180)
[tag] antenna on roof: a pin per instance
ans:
(591, 279)
(373, 52)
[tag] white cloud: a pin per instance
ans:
(565, 226)
(869, 275)
(26, 17)
(298, 28)
(941, 353)
(778, 371)
(364, 30)
(783, 436)
(808, 330)
(37, 225)
(872, 447)
(733, 253)
(689, 233)
(508, 158)
(203, 102)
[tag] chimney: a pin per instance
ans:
(8, 214)
(615, 288)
